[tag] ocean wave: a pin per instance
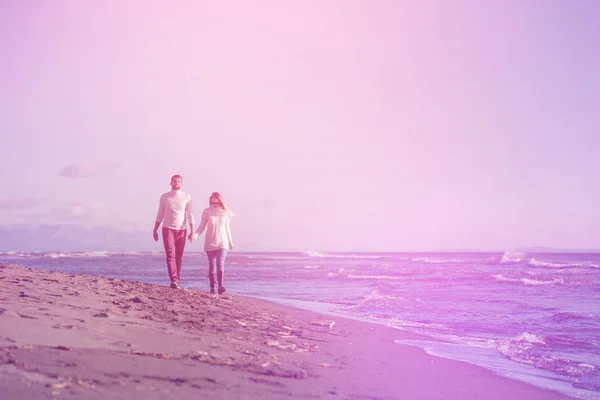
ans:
(344, 273)
(374, 297)
(55, 255)
(534, 282)
(566, 317)
(20, 254)
(501, 277)
(341, 272)
(311, 267)
(568, 343)
(528, 281)
(537, 263)
(377, 295)
(311, 253)
(126, 253)
(511, 257)
(75, 254)
(518, 348)
(65, 254)
(418, 326)
(530, 338)
(96, 254)
(436, 260)
(522, 349)
(376, 277)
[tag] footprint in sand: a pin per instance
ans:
(122, 344)
(57, 326)
(267, 382)
(101, 315)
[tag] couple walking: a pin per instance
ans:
(174, 209)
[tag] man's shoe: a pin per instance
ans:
(175, 285)
(221, 289)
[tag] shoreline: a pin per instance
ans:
(446, 348)
(81, 336)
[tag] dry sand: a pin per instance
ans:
(65, 336)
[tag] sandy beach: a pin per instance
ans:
(65, 336)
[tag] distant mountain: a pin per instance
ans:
(66, 237)
(71, 237)
(527, 250)
(558, 250)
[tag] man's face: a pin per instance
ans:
(176, 183)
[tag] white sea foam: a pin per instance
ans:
(518, 347)
(528, 281)
(55, 255)
(530, 338)
(537, 263)
(85, 254)
(511, 257)
(524, 369)
(374, 297)
(403, 324)
(501, 277)
(311, 267)
(377, 295)
(93, 254)
(311, 253)
(376, 277)
(21, 254)
(340, 272)
(535, 282)
(436, 260)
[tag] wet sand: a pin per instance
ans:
(65, 336)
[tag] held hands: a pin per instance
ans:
(192, 236)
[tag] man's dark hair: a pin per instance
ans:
(176, 176)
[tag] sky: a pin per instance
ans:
(339, 125)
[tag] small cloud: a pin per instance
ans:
(76, 171)
(19, 202)
(78, 212)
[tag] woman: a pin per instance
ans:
(218, 238)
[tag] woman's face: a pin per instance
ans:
(214, 202)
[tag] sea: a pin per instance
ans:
(533, 317)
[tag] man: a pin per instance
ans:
(174, 209)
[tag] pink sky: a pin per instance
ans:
(337, 125)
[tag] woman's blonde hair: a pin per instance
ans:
(217, 196)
